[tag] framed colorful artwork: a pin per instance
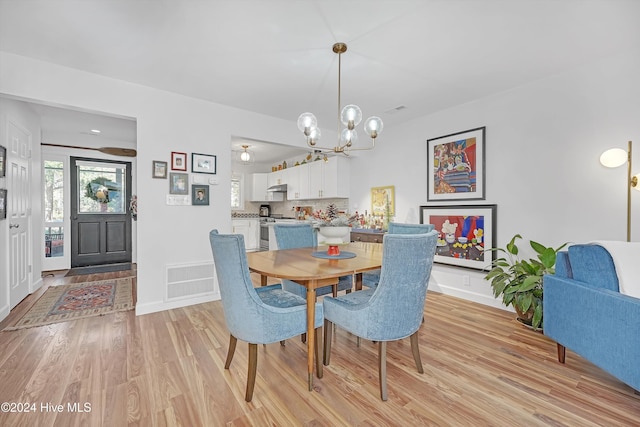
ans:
(380, 198)
(466, 234)
(456, 166)
(159, 169)
(203, 163)
(200, 195)
(179, 183)
(178, 161)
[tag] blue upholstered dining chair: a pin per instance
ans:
(260, 315)
(393, 310)
(370, 279)
(291, 236)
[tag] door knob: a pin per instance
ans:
(13, 226)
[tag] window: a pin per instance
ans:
(53, 208)
(237, 192)
(101, 188)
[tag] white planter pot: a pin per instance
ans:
(333, 235)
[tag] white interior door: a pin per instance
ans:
(18, 211)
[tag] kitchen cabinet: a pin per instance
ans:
(319, 180)
(250, 229)
(277, 177)
(298, 183)
(259, 193)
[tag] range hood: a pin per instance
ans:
(280, 188)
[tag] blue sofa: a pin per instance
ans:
(585, 312)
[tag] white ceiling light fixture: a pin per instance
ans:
(246, 156)
(350, 116)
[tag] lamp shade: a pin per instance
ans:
(613, 158)
(307, 121)
(245, 156)
(373, 126)
(351, 115)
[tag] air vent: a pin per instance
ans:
(396, 109)
(189, 280)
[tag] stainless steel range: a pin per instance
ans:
(264, 233)
(266, 230)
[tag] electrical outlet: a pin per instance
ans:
(466, 280)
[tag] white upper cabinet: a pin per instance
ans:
(259, 191)
(319, 180)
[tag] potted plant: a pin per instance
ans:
(519, 281)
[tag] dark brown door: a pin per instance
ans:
(100, 217)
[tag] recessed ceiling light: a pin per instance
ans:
(95, 131)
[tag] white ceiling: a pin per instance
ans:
(275, 58)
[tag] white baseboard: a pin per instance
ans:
(154, 307)
(4, 312)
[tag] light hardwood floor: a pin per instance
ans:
(167, 369)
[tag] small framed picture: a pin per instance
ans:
(178, 161)
(159, 169)
(383, 200)
(203, 163)
(178, 183)
(3, 204)
(3, 160)
(200, 195)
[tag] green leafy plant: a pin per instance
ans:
(519, 281)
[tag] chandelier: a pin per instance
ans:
(350, 116)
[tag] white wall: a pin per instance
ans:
(166, 235)
(27, 119)
(543, 143)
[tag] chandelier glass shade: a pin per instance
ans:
(350, 116)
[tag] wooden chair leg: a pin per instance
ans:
(327, 342)
(561, 353)
(334, 290)
(415, 349)
(303, 338)
(282, 343)
(232, 349)
(382, 368)
(251, 373)
(318, 346)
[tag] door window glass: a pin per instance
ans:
(101, 188)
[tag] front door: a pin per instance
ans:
(18, 210)
(100, 219)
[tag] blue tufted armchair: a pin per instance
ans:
(370, 279)
(393, 310)
(290, 236)
(261, 315)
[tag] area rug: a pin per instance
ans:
(77, 301)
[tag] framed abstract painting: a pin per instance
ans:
(466, 234)
(456, 166)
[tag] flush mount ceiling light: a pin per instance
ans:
(350, 116)
(615, 157)
(246, 156)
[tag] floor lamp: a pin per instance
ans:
(613, 158)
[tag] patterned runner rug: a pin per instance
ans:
(77, 301)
